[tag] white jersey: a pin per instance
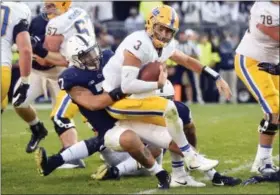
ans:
(74, 21)
(256, 44)
(11, 14)
(141, 46)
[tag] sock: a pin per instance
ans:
(264, 152)
(160, 157)
(34, 122)
(155, 168)
(127, 166)
(210, 173)
(177, 164)
(75, 152)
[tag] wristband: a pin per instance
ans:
(24, 80)
(210, 72)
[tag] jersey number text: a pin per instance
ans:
(5, 12)
(80, 27)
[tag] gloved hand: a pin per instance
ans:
(117, 94)
(270, 68)
(21, 93)
(37, 46)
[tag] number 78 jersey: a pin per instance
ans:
(255, 44)
(11, 14)
(74, 21)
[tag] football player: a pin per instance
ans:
(41, 79)
(274, 176)
(155, 43)
(15, 20)
(259, 44)
(83, 82)
(178, 176)
(65, 21)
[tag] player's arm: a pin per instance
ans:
(52, 58)
(22, 39)
(130, 70)
(194, 65)
(53, 42)
(85, 98)
(271, 31)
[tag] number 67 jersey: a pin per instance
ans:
(255, 44)
(74, 21)
(11, 14)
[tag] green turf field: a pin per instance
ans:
(225, 132)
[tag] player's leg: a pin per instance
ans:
(80, 150)
(264, 90)
(122, 139)
(28, 113)
(62, 116)
(6, 75)
(159, 111)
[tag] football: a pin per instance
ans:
(150, 72)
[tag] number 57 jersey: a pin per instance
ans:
(11, 14)
(255, 44)
(74, 21)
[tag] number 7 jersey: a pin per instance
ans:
(255, 44)
(74, 21)
(11, 14)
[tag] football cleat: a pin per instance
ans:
(105, 172)
(74, 164)
(253, 180)
(268, 169)
(163, 180)
(184, 180)
(41, 159)
(221, 180)
(39, 132)
(199, 162)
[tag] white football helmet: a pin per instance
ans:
(167, 91)
(83, 52)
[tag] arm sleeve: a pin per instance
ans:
(20, 27)
(131, 85)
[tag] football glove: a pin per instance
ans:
(270, 68)
(20, 94)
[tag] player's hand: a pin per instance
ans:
(223, 88)
(40, 60)
(117, 94)
(35, 40)
(270, 68)
(20, 94)
(162, 76)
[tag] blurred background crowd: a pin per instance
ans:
(209, 31)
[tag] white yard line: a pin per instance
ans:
(36, 106)
(231, 171)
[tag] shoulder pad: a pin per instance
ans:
(68, 79)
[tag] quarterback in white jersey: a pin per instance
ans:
(260, 44)
(15, 19)
(156, 43)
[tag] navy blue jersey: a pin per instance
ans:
(38, 28)
(100, 120)
(184, 112)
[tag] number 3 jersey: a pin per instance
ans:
(11, 14)
(255, 44)
(100, 120)
(74, 21)
(140, 45)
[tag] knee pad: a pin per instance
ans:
(171, 112)
(184, 112)
(62, 124)
(94, 144)
(266, 127)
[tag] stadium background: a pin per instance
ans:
(213, 29)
